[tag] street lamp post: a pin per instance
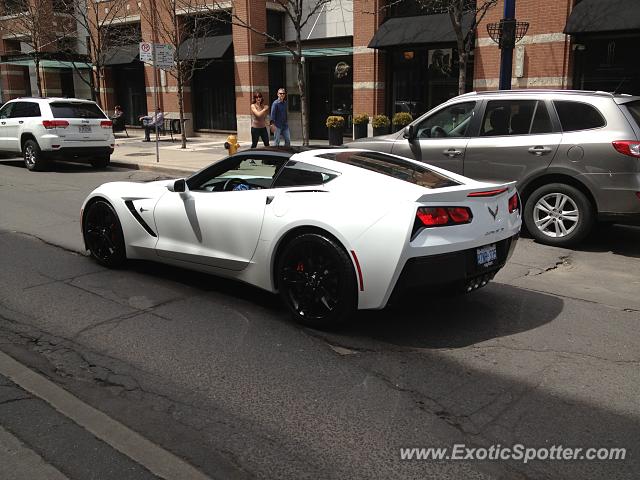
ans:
(507, 42)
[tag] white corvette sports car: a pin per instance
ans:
(331, 230)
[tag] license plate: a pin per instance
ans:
(487, 255)
(85, 128)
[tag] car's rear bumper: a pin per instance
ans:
(452, 271)
(77, 153)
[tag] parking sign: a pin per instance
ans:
(146, 52)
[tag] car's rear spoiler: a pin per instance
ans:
(461, 193)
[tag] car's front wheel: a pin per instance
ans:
(101, 162)
(33, 158)
(558, 214)
(103, 235)
(317, 281)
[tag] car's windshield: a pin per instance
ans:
(76, 110)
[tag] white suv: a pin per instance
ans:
(42, 129)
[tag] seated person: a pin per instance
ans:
(499, 122)
(151, 122)
(118, 119)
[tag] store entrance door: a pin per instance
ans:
(330, 93)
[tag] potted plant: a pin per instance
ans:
(360, 124)
(335, 124)
(380, 124)
(401, 120)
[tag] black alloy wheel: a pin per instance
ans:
(103, 234)
(317, 281)
(32, 155)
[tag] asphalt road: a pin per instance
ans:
(215, 372)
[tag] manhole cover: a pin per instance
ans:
(143, 154)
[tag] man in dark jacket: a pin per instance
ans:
(279, 118)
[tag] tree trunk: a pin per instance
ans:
(462, 72)
(36, 61)
(183, 135)
(303, 103)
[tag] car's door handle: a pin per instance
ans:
(269, 199)
(452, 152)
(3, 123)
(20, 121)
(539, 150)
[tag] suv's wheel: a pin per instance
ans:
(103, 234)
(33, 159)
(558, 214)
(317, 281)
(101, 162)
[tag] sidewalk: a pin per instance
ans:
(133, 153)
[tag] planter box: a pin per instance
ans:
(380, 131)
(335, 136)
(360, 130)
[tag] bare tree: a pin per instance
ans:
(31, 22)
(300, 14)
(97, 23)
(188, 23)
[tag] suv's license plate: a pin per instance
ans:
(487, 255)
(85, 128)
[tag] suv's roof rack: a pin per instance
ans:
(524, 91)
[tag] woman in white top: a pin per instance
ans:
(259, 121)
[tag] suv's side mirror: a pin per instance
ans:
(409, 133)
(179, 186)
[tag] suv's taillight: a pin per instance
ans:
(628, 147)
(514, 203)
(106, 123)
(55, 123)
(442, 216)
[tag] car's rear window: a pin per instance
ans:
(634, 110)
(578, 116)
(393, 167)
(76, 110)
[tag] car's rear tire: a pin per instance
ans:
(103, 235)
(558, 214)
(33, 158)
(317, 281)
(101, 162)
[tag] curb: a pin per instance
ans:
(177, 171)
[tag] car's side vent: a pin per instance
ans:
(136, 215)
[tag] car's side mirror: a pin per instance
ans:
(178, 186)
(409, 133)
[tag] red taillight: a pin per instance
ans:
(514, 203)
(106, 123)
(55, 123)
(628, 147)
(488, 193)
(441, 216)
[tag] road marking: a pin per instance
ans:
(157, 460)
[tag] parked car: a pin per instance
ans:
(574, 154)
(42, 129)
(331, 230)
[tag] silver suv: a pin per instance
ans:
(574, 154)
(42, 129)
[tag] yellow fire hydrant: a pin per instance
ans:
(232, 144)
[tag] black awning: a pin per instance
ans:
(590, 16)
(121, 55)
(418, 30)
(205, 47)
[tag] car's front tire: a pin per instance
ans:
(103, 235)
(317, 281)
(101, 162)
(558, 214)
(33, 158)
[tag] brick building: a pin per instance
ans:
(360, 57)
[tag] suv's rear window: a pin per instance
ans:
(578, 116)
(634, 110)
(76, 110)
(393, 167)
